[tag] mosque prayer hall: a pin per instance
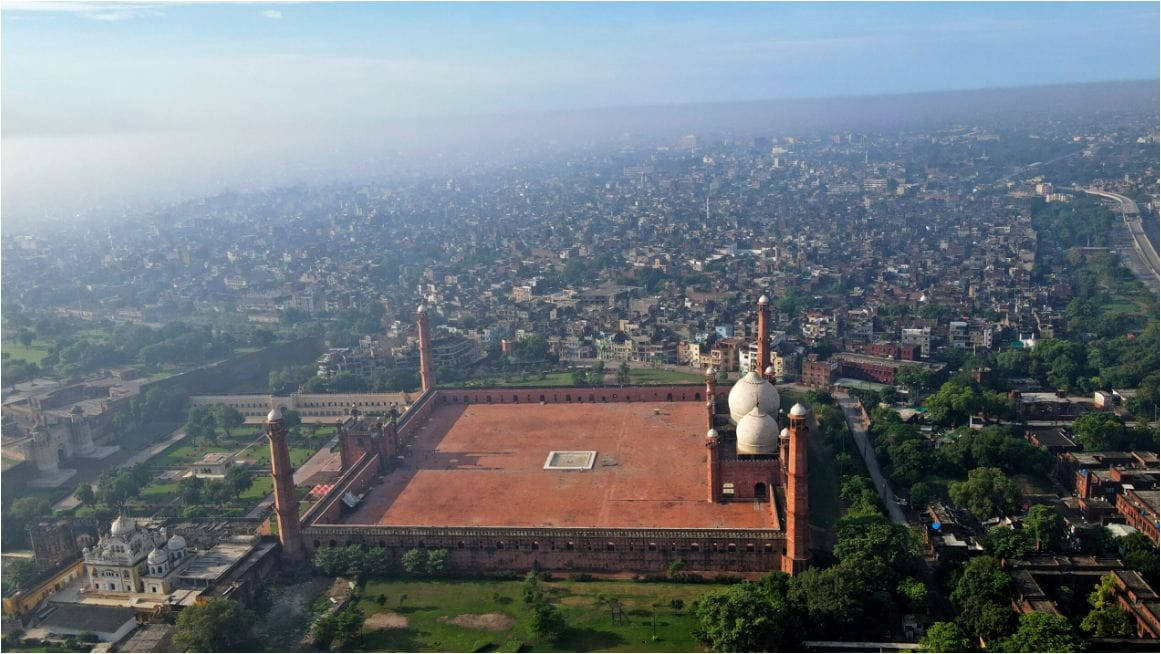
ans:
(607, 479)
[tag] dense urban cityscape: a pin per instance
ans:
(851, 385)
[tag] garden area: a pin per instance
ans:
(492, 616)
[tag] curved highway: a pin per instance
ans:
(1146, 254)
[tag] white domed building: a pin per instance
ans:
(134, 559)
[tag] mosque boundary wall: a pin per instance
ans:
(585, 550)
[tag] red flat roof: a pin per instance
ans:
(483, 465)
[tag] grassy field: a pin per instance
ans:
(430, 607)
(643, 376)
(34, 353)
(659, 376)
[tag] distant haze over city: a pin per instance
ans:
(111, 108)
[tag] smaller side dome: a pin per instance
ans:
(274, 415)
(785, 433)
(175, 543)
(422, 309)
(799, 411)
(757, 433)
(710, 373)
(157, 557)
(769, 370)
(711, 434)
(763, 299)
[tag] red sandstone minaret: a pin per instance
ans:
(797, 520)
(285, 501)
(763, 335)
(711, 391)
(426, 372)
(713, 472)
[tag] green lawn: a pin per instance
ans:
(34, 353)
(552, 379)
(644, 376)
(659, 376)
(430, 605)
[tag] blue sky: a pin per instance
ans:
(181, 65)
(95, 93)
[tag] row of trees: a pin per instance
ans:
(355, 561)
(204, 421)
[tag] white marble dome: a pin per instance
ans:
(799, 411)
(757, 433)
(751, 391)
(175, 544)
(711, 434)
(157, 557)
(275, 414)
(123, 526)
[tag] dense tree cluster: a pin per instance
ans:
(869, 586)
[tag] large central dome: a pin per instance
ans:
(751, 391)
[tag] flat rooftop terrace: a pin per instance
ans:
(483, 465)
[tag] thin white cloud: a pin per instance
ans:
(272, 14)
(102, 11)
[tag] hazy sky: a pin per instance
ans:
(99, 98)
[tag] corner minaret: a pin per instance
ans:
(797, 519)
(711, 391)
(426, 371)
(713, 465)
(285, 501)
(763, 335)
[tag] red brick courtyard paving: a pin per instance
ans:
(482, 465)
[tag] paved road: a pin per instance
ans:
(859, 431)
(324, 459)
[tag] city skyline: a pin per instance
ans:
(107, 105)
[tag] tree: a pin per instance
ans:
(219, 625)
(201, 425)
(1042, 632)
(914, 592)
(914, 377)
(348, 627)
(862, 538)
(30, 509)
(834, 600)
(745, 617)
(546, 624)
(85, 495)
(986, 493)
(19, 575)
(1046, 526)
(1138, 553)
(436, 562)
(191, 489)
(982, 578)
(1007, 543)
(945, 637)
(413, 561)
(1106, 619)
(239, 479)
(1097, 431)
(227, 418)
(983, 618)
(115, 488)
(623, 375)
(531, 589)
(579, 377)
